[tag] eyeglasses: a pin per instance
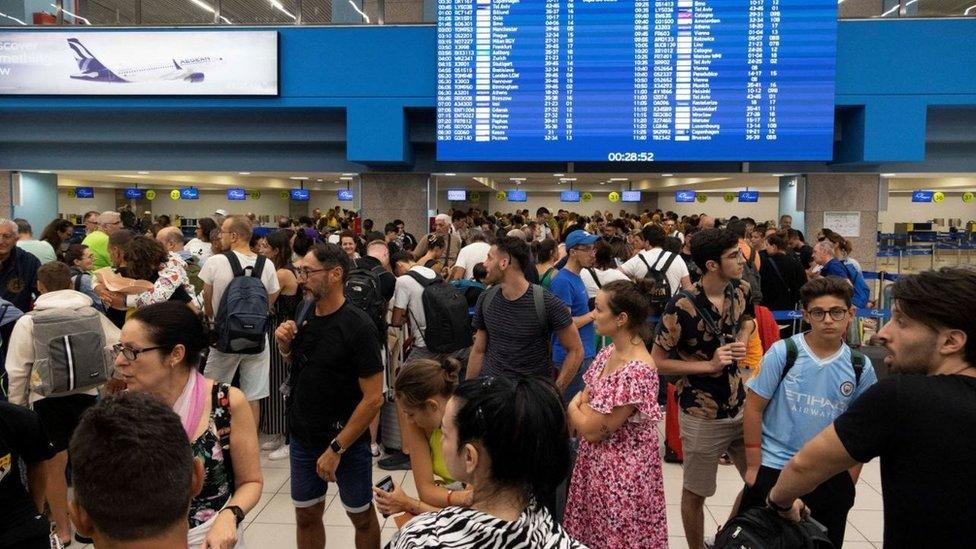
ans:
(131, 354)
(837, 313)
(303, 272)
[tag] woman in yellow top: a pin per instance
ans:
(423, 388)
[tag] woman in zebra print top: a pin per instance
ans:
(508, 439)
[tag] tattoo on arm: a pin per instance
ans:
(605, 431)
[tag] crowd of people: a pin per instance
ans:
(518, 365)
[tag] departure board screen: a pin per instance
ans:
(635, 80)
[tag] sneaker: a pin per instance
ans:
(273, 443)
(396, 461)
(281, 453)
(375, 448)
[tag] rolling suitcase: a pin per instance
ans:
(672, 432)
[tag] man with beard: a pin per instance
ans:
(919, 421)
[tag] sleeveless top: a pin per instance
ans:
(216, 488)
(286, 305)
(437, 458)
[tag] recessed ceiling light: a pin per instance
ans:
(43, 171)
(143, 173)
(346, 178)
(667, 175)
(243, 173)
(603, 182)
(558, 174)
(320, 180)
(567, 179)
(619, 179)
(888, 175)
(450, 174)
(517, 178)
(298, 177)
(347, 174)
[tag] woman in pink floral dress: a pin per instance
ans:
(616, 499)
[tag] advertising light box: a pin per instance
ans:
(922, 196)
(134, 194)
(189, 193)
(457, 195)
(139, 63)
(684, 196)
(630, 196)
(748, 196)
(236, 194)
(344, 195)
(299, 195)
(84, 192)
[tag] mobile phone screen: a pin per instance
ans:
(386, 484)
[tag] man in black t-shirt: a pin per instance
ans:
(22, 438)
(337, 390)
(919, 421)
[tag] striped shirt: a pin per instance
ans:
(457, 528)
(517, 344)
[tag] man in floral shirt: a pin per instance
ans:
(701, 337)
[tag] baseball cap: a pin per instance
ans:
(221, 212)
(576, 238)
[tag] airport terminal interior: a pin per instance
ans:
(854, 117)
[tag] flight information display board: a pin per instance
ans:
(635, 80)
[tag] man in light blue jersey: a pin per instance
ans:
(803, 384)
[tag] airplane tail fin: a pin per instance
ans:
(89, 66)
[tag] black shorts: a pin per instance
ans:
(60, 416)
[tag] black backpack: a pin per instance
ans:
(751, 275)
(242, 317)
(763, 528)
(446, 312)
(662, 291)
(857, 361)
(362, 289)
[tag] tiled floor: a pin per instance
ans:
(271, 525)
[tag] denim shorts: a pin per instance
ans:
(354, 477)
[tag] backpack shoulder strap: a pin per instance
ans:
(752, 255)
(539, 300)
(235, 264)
(596, 279)
(258, 266)
(78, 281)
(422, 280)
(791, 353)
(667, 264)
(644, 261)
(858, 361)
(490, 294)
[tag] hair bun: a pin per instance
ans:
(452, 368)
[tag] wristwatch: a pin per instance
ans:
(238, 513)
(336, 447)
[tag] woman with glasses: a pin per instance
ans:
(508, 440)
(159, 353)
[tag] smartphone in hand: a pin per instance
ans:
(386, 484)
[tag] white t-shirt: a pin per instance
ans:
(217, 272)
(471, 255)
(202, 250)
(408, 296)
(635, 268)
(606, 276)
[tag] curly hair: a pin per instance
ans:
(144, 257)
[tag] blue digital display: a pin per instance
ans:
(569, 196)
(517, 196)
(189, 193)
(684, 196)
(236, 194)
(300, 195)
(457, 195)
(922, 196)
(630, 196)
(134, 194)
(84, 192)
(635, 80)
(344, 195)
(748, 196)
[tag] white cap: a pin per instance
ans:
(334, 238)
(221, 212)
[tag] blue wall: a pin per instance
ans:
(889, 75)
(38, 200)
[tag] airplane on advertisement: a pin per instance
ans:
(183, 69)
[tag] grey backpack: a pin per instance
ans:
(70, 355)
